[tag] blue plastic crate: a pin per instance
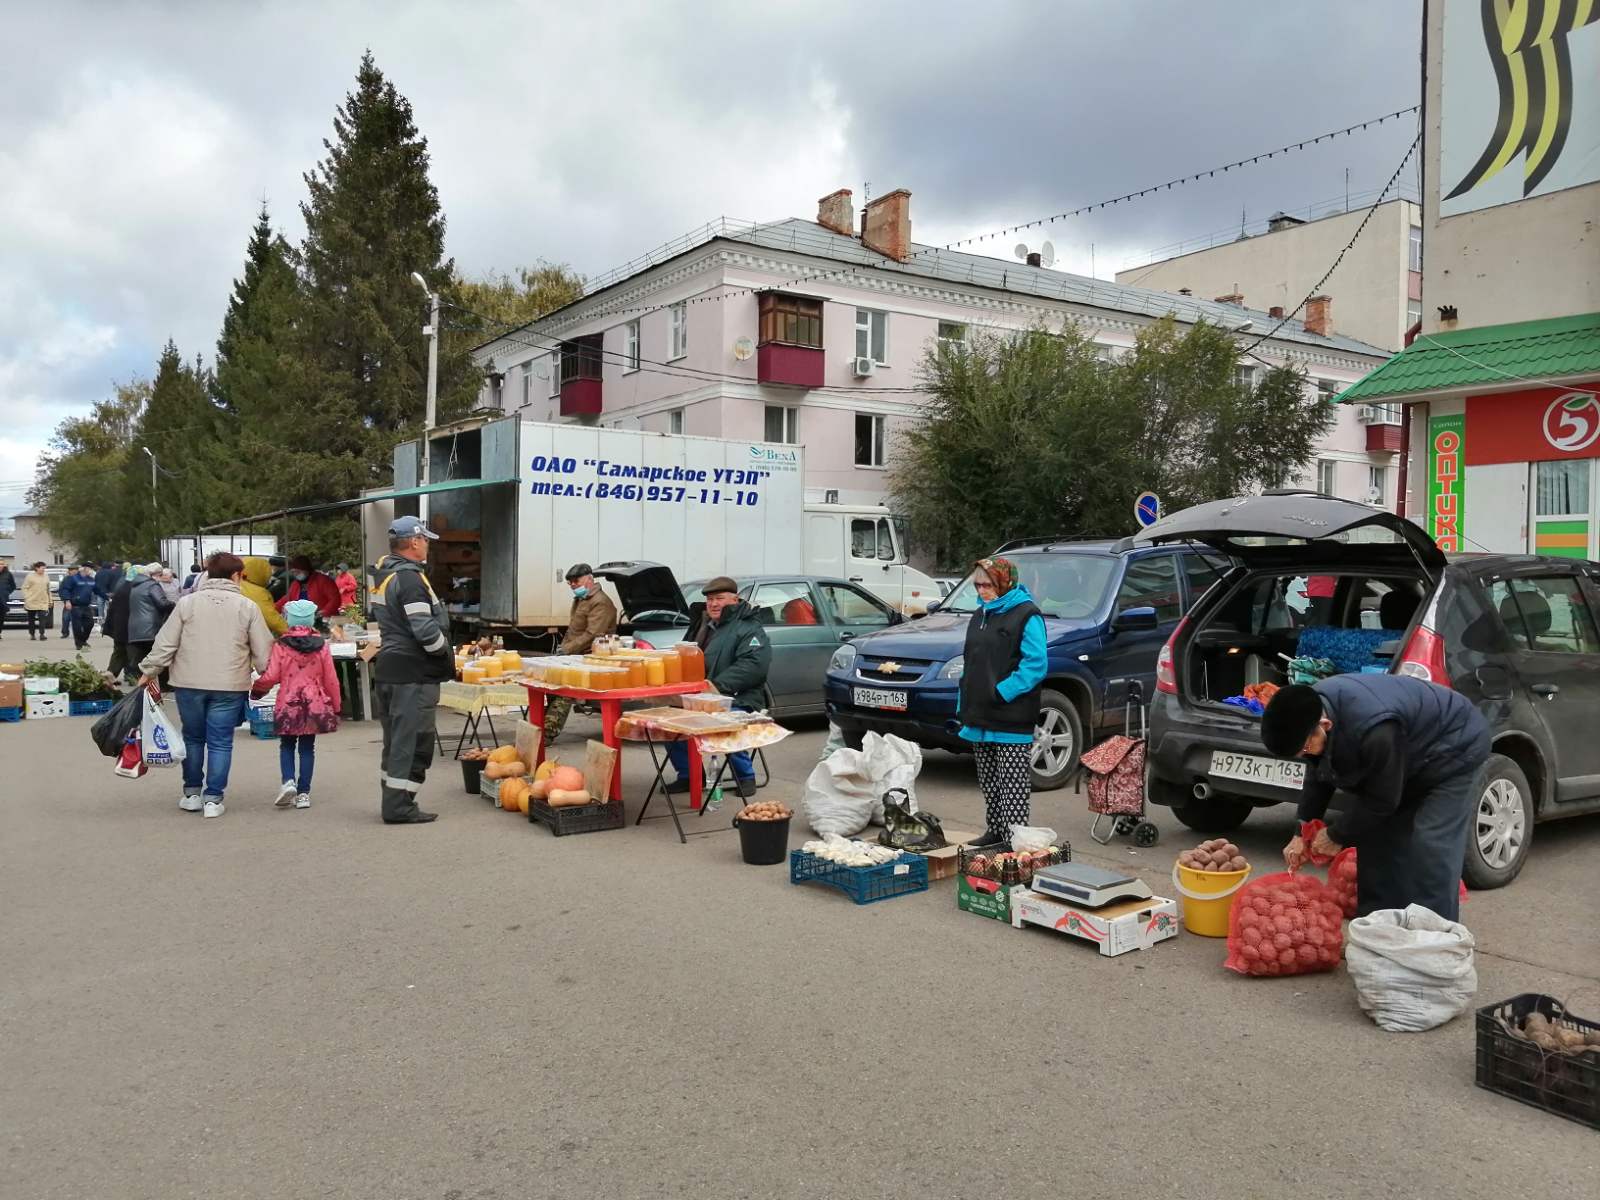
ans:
(88, 708)
(261, 723)
(8, 715)
(864, 885)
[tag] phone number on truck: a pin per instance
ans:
(649, 493)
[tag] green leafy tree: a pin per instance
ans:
(80, 475)
(1034, 435)
(495, 302)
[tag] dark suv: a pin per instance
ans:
(1108, 608)
(1318, 577)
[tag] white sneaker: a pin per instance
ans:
(285, 794)
(214, 808)
(303, 800)
(190, 803)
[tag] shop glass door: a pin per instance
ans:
(1563, 501)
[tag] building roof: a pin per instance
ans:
(800, 236)
(1527, 352)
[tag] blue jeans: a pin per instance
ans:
(209, 719)
(743, 766)
(307, 742)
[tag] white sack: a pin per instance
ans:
(1413, 970)
(844, 792)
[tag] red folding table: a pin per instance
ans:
(610, 701)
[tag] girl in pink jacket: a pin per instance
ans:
(301, 668)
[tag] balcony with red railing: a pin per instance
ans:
(581, 360)
(789, 349)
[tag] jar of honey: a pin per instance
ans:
(638, 674)
(655, 671)
(472, 674)
(490, 667)
(694, 661)
(673, 666)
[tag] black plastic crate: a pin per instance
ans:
(1565, 1084)
(583, 818)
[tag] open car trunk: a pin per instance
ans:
(1321, 586)
(648, 596)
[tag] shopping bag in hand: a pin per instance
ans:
(130, 763)
(111, 731)
(1285, 924)
(162, 744)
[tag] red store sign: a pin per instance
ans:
(1538, 425)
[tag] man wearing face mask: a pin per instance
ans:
(593, 615)
(308, 583)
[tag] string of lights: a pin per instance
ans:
(728, 292)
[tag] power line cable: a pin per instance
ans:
(1223, 168)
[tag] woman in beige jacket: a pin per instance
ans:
(211, 641)
(36, 600)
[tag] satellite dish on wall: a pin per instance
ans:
(743, 349)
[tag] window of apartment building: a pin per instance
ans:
(1414, 249)
(677, 331)
(952, 335)
(581, 358)
(555, 372)
(1327, 477)
(1413, 312)
(1377, 485)
(1327, 389)
(793, 320)
(630, 346)
(496, 389)
(783, 424)
(527, 384)
(869, 440)
(1244, 375)
(674, 418)
(872, 335)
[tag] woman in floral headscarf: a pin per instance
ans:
(1003, 672)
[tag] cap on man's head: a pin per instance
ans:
(578, 571)
(410, 527)
(1291, 715)
(720, 584)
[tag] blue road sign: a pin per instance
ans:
(1147, 509)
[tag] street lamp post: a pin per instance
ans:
(432, 330)
(154, 523)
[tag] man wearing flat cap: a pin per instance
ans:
(1407, 754)
(593, 615)
(738, 657)
(414, 658)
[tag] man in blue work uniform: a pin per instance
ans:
(77, 604)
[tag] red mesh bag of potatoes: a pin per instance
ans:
(1342, 880)
(1285, 924)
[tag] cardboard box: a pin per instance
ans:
(41, 706)
(10, 693)
(985, 897)
(1115, 928)
(942, 862)
(599, 762)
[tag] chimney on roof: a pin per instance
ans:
(886, 225)
(836, 212)
(1276, 312)
(1280, 220)
(1319, 316)
(1035, 258)
(1185, 292)
(1234, 298)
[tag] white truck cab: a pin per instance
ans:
(865, 544)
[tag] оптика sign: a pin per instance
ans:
(1446, 482)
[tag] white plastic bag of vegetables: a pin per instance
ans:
(1413, 970)
(844, 792)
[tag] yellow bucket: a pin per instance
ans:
(1207, 898)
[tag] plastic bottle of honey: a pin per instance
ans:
(693, 660)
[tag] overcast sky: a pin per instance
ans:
(137, 139)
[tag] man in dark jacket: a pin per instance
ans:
(593, 615)
(105, 582)
(1408, 754)
(738, 657)
(77, 595)
(414, 658)
(149, 606)
(116, 628)
(8, 584)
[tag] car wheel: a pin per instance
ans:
(1057, 741)
(1215, 814)
(1502, 826)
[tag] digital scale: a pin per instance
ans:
(1092, 887)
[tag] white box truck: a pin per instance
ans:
(179, 550)
(523, 500)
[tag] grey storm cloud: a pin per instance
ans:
(137, 140)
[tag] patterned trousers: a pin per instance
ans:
(1006, 782)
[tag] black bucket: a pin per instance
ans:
(763, 843)
(472, 774)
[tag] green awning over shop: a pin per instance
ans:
(1511, 355)
(444, 485)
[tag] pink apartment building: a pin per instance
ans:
(812, 332)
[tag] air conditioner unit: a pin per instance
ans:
(1374, 496)
(865, 367)
(1366, 414)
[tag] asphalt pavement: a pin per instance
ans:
(284, 1003)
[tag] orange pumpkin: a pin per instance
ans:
(566, 779)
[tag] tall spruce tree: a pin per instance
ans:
(185, 431)
(372, 218)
